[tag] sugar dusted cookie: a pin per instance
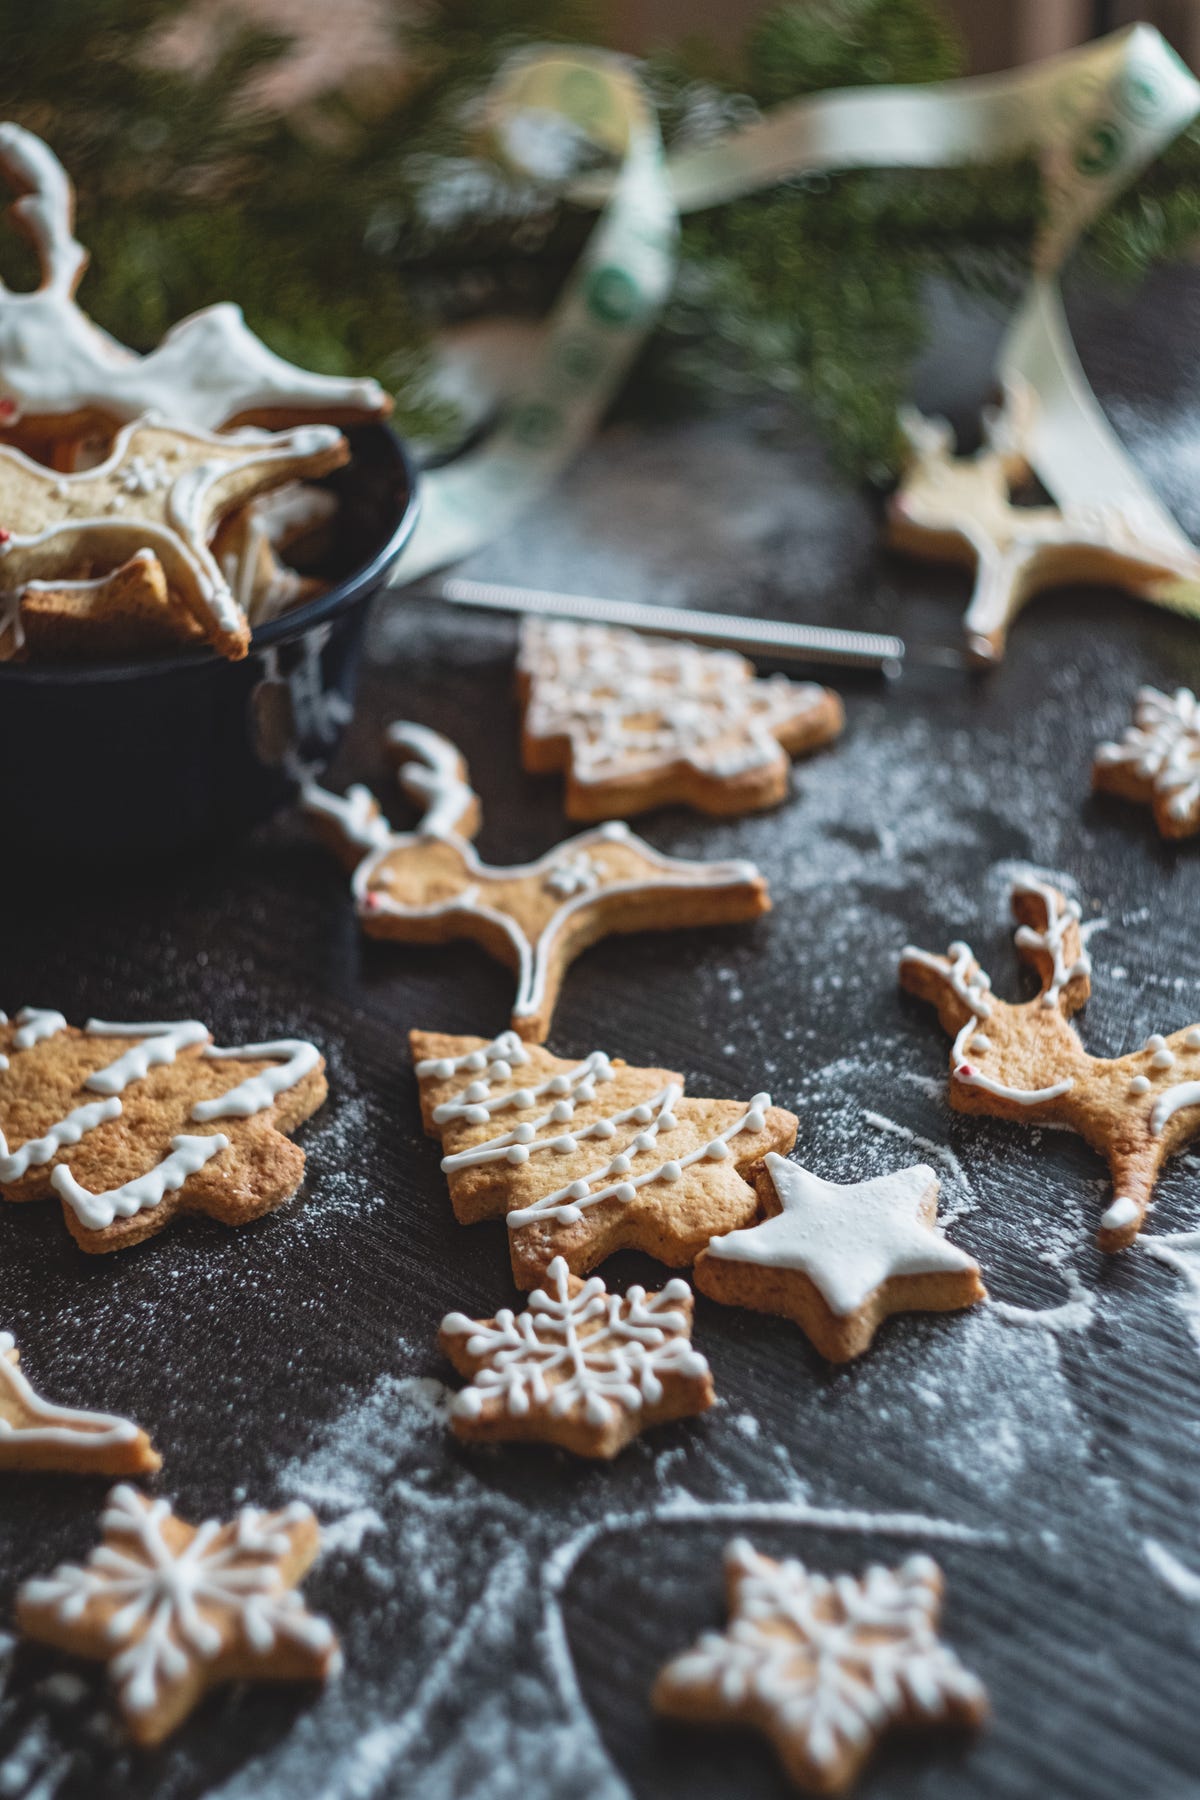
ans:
(130, 1124)
(175, 1609)
(1025, 1062)
(61, 377)
(638, 721)
(823, 1665)
(1157, 760)
(583, 1158)
(581, 1368)
(429, 887)
(840, 1260)
(35, 1434)
(961, 509)
(161, 489)
(129, 612)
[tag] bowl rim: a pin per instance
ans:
(289, 625)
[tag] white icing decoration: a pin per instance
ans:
(847, 1240)
(971, 983)
(831, 1658)
(1187, 1093)
(435, 778)
(188, 1156)
(258, 1091)
(1161, 1057)
(161, 1044)
(573, 875)
(1050, 941)
(1139, 1085)
(36, 1151)
(1122, 1211)
(37, 1024)
(1191, 1039)
(55, 1424)
(209, 370)
(546, 1356)
(631, 704)
(356, 814)
(159, 1628)
(1162, 746)
(566, 1204)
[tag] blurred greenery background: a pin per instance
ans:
(356, 214)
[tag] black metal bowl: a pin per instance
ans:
(135, 758)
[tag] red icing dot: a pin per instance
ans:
(8, 408)
(4, 535)
(964, 1071)
(372, 901)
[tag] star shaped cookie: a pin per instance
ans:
(581, 1368)
(823, 1665)
(428, 886)
(583, 1158)
(1157, 760)
(960, 509)
(163, 490)
(840, 1260)
(35, 1434)
(175, 1609)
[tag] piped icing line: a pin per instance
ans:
(522, 1142)
(37, 1023)
(59, 1425)
(1051, 939)
(1162, 746)
(970, 982)
(1186, 1093)
(566, 1205)
(96, 1211)
(356, 814)
(36, 1152)
(161, 1043)
(298, 1059)
(435, 779)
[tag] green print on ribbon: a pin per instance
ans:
(1101, 150)
(613, 296)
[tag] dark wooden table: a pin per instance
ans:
(503, 1612)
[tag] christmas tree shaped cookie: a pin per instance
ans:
(1026, 1063)
(36, 1434)
(823, 1665)
(130, 1124)
(428, 886)
(581, 1368)
(589, 1156)
(639, 722)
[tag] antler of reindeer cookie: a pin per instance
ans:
(951, 508)
(60, 371)
(429, 886)
(1025, 1062)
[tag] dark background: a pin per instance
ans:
(503, 1612)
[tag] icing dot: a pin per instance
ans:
(1123, 1211)
(500, 1071)
(579, 1190)
(476, 1115)
(517, 1153)
(1162, 1059)
(475, 1061)
(478, 1090)
(603, 1128)
(979, 1042)
(626, 1192)
(667, 1121)
(605, 1072)
(570, 1215)
(558, 1084)
(620, 1165)
(642, 1114)
(562, 1109)
(1192, 1040)
(644, 1140)
(523, 1133)
(564, 1145)
(670, 1171)
(442, 1069)
(717, 1149)
(1139, 1085)
(755, 1119)
(523, 1098)
(585, 1091)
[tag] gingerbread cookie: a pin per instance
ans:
(34, 1434)
(162, 490)
(429, 887)
(62, 377)
(251, 543)
(106, 1118)
(1157, 761)
(581, 1368)
(840, 1260)
(961, 509)
(584, 1158)
(129, 612)
(823, 1665)
(639, 722)
(1025, 1062)
(175, 1609)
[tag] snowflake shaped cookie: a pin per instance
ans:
(640, 722)
(36, 1434)
(823, 1665)
(581, 1368)
(840, 1260)
(177, 1608)
(1157, 760)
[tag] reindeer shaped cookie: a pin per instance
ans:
(951, 508)
(1026, 1063)
(428, 886)
(62, 376)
